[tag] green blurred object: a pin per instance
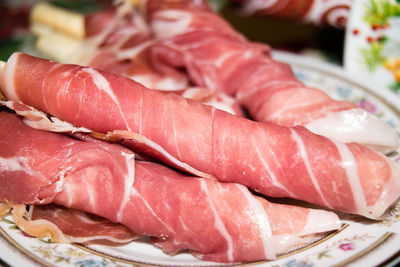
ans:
(81, 6)
(372, 56)
(378, 12)
(216, 5)
(8, 46)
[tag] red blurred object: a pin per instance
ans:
(370, 39)
(13, 19)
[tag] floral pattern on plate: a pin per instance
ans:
(372, 48)
(359, 242)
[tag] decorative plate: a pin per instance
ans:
(372, 45)
(360, 242)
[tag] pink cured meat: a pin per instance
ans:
(40, 167)
(97, 22)
(274, 160)
(268, 89)
(65, 225)
(78, 224)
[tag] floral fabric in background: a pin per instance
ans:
(373, 43)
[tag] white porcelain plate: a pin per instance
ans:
(359, 242)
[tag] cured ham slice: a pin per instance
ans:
(65, 225)
(274, 160)
(268, 89)
(178, 212)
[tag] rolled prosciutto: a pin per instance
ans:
(118, 40)
(217, 57)
(273, 160)
(178, 212)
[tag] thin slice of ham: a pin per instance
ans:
(65, 225)
(217, 57)
(178, 212)
(274, 160)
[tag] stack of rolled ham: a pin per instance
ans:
(85, 144)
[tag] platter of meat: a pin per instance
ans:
(358, 240)
(166, 138)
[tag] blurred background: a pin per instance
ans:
(282, 28)
(361, 36)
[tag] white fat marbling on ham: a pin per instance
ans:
(225, 57)
(162, 84)
(13, 164)
(271, 174)
(91, 195)
(129, 180)
(258, 87)
(225, 105)
(39, 120)
(136, 194)
(265, 228)
(353, 178)
(103, 85)
(68, 192)
(131, 53)
(174, 134)
(172, 22)
(218, 100)
(156, 148)
(140, 128)
(61, 175)
(353, 124)
(219, 225)
(7, 81)
(305, 157)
